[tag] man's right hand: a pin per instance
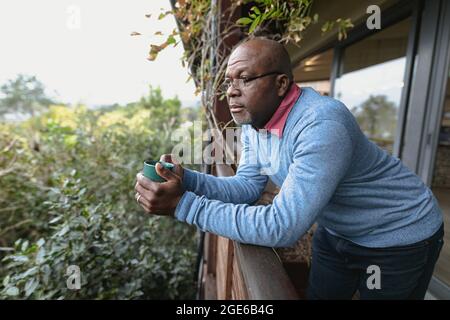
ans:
(178, 169)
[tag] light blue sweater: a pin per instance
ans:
(329, 173)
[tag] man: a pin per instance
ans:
(372, 212)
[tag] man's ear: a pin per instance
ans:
(282, 84)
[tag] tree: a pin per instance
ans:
(377, 117)
(203, 27)
(165, 110)
(25, 94)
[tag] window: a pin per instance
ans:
(370, 81)
(441, 187)
(315, 72)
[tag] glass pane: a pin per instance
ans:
(441, 187)
(315, 72)
(370, 83)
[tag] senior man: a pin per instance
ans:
(370, 209)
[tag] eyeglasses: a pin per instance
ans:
(240, 83)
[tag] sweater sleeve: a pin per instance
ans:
(322, 154)
(244, 187)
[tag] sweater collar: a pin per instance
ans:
(277, 123)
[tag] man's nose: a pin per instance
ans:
(233, 92)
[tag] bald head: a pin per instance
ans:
(268, 53)
(264, 70)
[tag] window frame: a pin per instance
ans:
(389, 17)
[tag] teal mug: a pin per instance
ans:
(150, 170)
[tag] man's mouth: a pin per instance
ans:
(235, 108)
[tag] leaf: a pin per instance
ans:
(158, 33)
(56, 219)
(155, 49)
(29, 272)
(171, 40)
(24, 245)
(275, 14)
(316, 18)
(254, 24)
(6, 280)
(19, 258)
(12, 291)
(152, 56)
(47, 272)
(327, 26)
(30, 286)
(244, 21)
(255, 9)
(40, 242)
(62, 232)
(82, 192)
(80, 221)
(134, 33)
(40, 257)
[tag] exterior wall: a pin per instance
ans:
(328, 11)
(441, 178)
(422, 139)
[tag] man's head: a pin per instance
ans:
(255, 101)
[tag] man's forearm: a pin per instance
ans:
(236, 189)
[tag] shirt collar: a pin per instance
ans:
(277, 123)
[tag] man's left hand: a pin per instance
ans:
(159, 198)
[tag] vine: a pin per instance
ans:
(204, 30)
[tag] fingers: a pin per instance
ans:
(141, 190)
(166, 173)
(145, 182)
(148, 198)
(169, 158)
(166, 158)
(149, 206)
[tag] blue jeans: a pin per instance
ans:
(340, 267)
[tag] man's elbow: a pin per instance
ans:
(285, 238)
(285, 242)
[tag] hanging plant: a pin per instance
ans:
(204, 31)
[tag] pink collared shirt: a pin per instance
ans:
(277, 122)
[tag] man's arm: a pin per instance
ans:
(245, 187)
(322, 155)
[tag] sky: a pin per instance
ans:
(385, 78)
(83, 52)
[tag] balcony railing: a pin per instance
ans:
(232, 270)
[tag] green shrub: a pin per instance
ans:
(70, 174)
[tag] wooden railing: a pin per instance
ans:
(232, 270)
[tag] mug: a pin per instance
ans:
(150, 170)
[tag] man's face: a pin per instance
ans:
(255, 102)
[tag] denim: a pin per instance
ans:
(328, 172)
(340, 267)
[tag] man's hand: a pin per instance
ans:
(160, 198)
(178, 169)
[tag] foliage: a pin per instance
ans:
(377, 117)
(205, 31)
(288, 19)
(67, 198)
(25, 94)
